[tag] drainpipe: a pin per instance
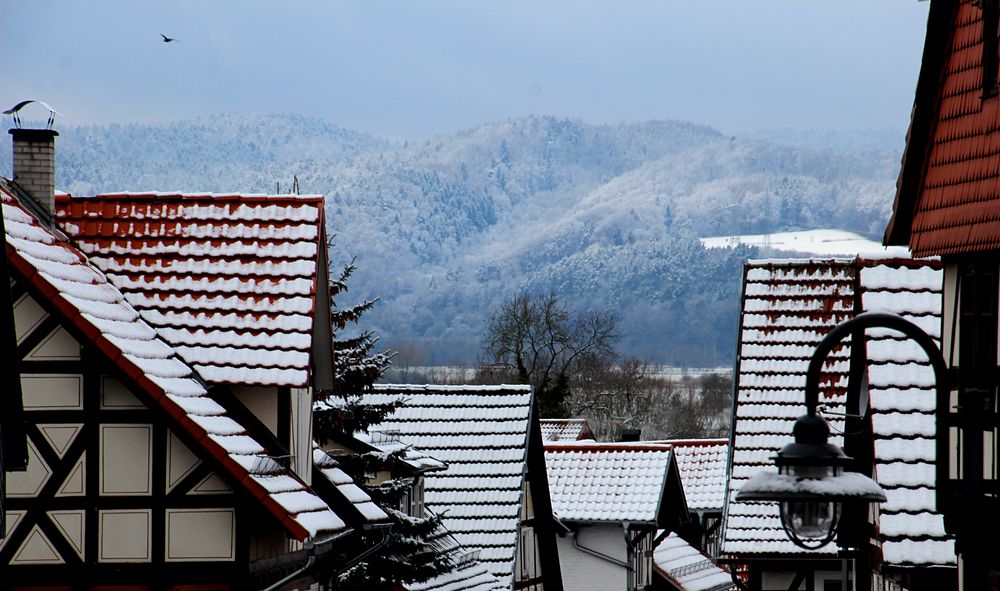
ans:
(310, 549)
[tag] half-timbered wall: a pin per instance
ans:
(640, 557)
(111, 493)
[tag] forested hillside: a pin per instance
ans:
(608, 216)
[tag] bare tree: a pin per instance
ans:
(619, 396)
(536, 340)
(630, 395)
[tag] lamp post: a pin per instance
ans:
(811, 483)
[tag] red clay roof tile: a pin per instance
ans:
(955, 202)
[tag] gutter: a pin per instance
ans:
(310, 547)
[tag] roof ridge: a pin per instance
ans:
(190, 196)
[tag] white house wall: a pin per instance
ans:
(584, 572)
(262, 401)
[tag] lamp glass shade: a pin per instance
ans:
(810, 523)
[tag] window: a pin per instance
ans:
(528, 571)
(411, 501)
(417, 497)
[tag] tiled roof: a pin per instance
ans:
(565, 430)
(609, 482)
(366, 508)
(788, 306)
(687, 568)
(469, 573)
(481, 433)
(702, 464)
(948, 199)
(228, 280)
(96, 309)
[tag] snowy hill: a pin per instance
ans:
(446, 228)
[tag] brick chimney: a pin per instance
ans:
(629, 435)
(35, 167)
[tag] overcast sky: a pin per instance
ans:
(412, 68)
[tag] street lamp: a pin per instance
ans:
(811, 484)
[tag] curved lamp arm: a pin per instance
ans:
(871, 320)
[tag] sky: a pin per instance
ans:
(415, 68)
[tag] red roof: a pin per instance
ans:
(948, 198)
(229, 280)
(98, 312)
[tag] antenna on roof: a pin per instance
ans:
(295, 184)
(15, 111)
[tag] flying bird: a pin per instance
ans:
(15, 111)
(167, 39)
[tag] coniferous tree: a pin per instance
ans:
(407, 554)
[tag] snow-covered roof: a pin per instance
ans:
(469, 573)
(702, 464)
(787, 308)
(228, 280)
(481, 433)
(687, 568)
(63, 276)
(388, 442)
(354, 494)
(903, 402)
(565, 430)
(608, 482)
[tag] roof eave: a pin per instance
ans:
(918, 141)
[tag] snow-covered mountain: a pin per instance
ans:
(446, 228)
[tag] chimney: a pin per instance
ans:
(629, 435)
(35, 167)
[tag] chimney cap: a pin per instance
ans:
(32, 134)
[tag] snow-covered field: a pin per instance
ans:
(817, 242)
(455, 374)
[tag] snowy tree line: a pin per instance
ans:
(447, 228)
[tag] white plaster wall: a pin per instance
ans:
(262, 402)
(583, 572)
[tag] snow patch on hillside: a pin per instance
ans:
(816, 242)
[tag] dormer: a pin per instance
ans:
(405, 462)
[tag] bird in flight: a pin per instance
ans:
(15, 111)
(167, 39)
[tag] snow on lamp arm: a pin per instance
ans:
(811, 484)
